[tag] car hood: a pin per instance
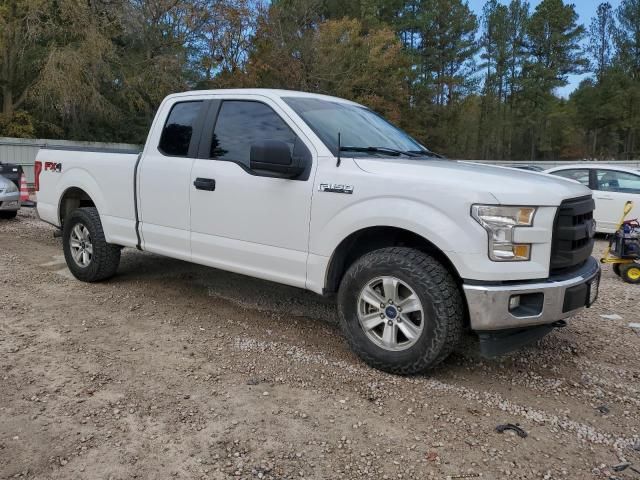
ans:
(508, 185)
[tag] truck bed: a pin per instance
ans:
(105, 175)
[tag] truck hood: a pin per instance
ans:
(509, 186)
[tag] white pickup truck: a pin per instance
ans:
(324, 194)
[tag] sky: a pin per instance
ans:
(585, 8)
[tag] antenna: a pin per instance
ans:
(339, 150)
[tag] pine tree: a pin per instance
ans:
(601, 36)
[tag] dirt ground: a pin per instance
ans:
(172, 370)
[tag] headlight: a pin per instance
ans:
(500, 223)
(11, 188)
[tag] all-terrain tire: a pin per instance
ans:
(105, 257)
(441, 301)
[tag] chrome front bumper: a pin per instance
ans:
(548, 301)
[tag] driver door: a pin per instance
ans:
(243, 221)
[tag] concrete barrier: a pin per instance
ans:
(23, 151)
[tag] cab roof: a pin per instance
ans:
(272, 93)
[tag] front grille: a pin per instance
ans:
(573, 229)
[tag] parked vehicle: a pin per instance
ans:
(9, 198)
(613, 186)
(12, 172)
(531, 168)
(321, 193)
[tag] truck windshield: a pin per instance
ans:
(362, 131)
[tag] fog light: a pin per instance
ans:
(514, 302)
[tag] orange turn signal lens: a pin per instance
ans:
(522, 251)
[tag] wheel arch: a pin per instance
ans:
(72, 198)
(368, 239)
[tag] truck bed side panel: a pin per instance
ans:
(105, 176)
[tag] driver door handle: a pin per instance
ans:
(604, 197)
(208, 184)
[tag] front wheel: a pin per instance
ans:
(88, 255)
(400, 310)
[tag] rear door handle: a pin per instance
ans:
(208, 184)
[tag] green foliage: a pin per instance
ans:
(468, 87)
(18, 124)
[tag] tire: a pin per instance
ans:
(630, 273)
(616, 269)
(103, 261)
(418, 274)
(8, 214)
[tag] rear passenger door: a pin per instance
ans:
(242, 220)
(164, 178)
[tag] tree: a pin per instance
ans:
(601, 36)
(553, 41)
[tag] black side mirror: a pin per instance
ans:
(274, 156)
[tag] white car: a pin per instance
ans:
(612, 187)
(324, 194)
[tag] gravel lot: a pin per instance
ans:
(172, 370)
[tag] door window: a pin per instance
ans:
(615, 181)
(578, 174)
(177, 131)
(242, 123)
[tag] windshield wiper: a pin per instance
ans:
(387, 150)
(426, 152)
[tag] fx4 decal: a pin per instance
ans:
(53, 167)
(336, 188)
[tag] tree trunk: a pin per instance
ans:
(7, 75)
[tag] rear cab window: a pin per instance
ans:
(178, 130)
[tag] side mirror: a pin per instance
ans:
(274, 156)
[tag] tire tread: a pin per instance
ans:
(106, 256)
(447, 301)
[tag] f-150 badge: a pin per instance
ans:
(336, 188)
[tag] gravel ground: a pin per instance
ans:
(172, 370)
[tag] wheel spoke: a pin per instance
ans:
(410, 304)
(74, 243)
(408, 328)
(370, 296)
(85, 233)
(371, 321)
(390, 288)
(76, 254)
(77, 232)
(89, 248)
(389, 335)
(85, 257)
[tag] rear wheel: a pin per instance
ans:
(400, 310)
(89, 257)
(630, 272)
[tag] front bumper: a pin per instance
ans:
(542, 302)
